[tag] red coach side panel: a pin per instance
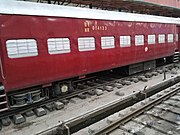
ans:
(44, 68)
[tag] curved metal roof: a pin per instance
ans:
(170, 8)
(39, 9)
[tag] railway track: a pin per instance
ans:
(119, 126)
(75, 124)
(89, 88)
(82, 90)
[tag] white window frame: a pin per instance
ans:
(86, 44)
(177, 37)
(19, 48)
(107, 42)
(151, 39)
(58, 45)
(161, 38)
(170, 38)
(139, 40)
(125, 41)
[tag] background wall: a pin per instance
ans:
(173, 3)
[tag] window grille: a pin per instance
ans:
(58, 45)
(86, 43)
(21, 48)
(107, 42)
(125, 41)
(139, 40)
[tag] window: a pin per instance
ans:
(170, 38)
(161, 38)
(177, 37)
(151, 39)
(21, 48)
(139, 40)
(86, 44)
(107, 42)
(125, 41)
(58, 45)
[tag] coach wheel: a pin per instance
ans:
(36, 95)
(20, 99)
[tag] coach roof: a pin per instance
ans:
(39, 9)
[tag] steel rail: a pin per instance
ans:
(109, 128)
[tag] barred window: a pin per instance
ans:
(58, 45)
(107, 42)
(21, 48)
(86, 43)
(125, 41)
(170, 38)
(177, 37)
(139, 40)
(161, 38)
(151, 39)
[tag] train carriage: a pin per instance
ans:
(42, 45)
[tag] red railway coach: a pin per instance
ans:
(42, 47)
